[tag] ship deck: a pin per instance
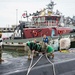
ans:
(64, 64)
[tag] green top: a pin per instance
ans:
(49, 49)
(38, 47)
(28, 43)
(32, 45)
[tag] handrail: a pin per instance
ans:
(71, 35)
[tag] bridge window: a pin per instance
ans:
(35, 19)
(48, 18)
(42, 19)
(52, 18)
(39, 19)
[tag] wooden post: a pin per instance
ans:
(1, 48)
(1, 55)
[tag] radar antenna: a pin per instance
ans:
(51, 5)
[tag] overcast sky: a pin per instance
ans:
(9, 9)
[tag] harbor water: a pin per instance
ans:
(6, 54)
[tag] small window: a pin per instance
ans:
(39, 20)
(42, 19)
(48, 18)
(35, 19)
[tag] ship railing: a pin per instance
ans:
(46, 23)
(52, 23)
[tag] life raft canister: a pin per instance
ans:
(35, 33)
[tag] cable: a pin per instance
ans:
(30, 67)
(52, 64)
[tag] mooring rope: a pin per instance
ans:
(31, 66)
(52, 64)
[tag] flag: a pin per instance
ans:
(24, 15)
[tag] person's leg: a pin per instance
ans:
(33, 53)
(44, 48)
(36, 53)
(1, 55)
(50, 55)
(29, 53)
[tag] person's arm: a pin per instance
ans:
(47, 39)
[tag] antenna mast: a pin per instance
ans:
(50, 5)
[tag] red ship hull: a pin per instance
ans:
(49, 31)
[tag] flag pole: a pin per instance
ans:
(26, 15)
(16, 16)
(21, 18)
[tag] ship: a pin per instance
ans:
(42, 22)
